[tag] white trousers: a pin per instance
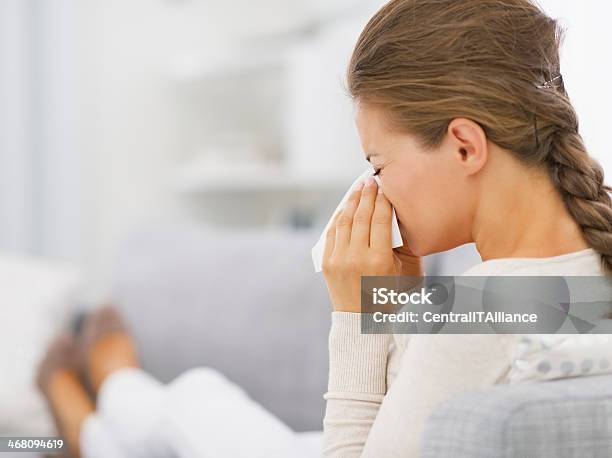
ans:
(199, 414)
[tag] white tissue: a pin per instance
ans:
(319, 248)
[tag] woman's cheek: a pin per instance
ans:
(397, 194)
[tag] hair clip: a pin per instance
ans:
(550, 84)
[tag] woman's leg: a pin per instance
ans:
(127, 410)
(58, 379)
(129, 401)
(98, 440)
(200, 414)
(208, 416)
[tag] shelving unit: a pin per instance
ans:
(193, 181)
(193, 69)
(280, 90)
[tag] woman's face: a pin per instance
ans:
(432, 194)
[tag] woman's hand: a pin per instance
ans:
(358, 244)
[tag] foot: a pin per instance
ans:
(62, 356)
(59, 381)
(107, 346)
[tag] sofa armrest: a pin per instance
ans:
(562, 418)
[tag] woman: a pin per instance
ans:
(462, 111)
(463, 114)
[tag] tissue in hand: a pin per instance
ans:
(319, 248)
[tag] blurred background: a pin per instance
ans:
(150, 139)
(117, 114)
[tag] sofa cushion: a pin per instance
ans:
(37, 298)
(542, 357)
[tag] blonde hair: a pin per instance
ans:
(426, 62)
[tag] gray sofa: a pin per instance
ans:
(238, 301)
(569, 418)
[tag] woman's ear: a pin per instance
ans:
(469, 144)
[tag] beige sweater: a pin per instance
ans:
(383, 387)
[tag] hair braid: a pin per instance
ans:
(580, 180)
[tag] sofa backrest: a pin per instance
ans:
(247, 303)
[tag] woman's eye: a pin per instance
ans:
(377, 170)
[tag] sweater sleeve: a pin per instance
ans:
(369, 416)
(357, 385)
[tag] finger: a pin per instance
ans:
(345, 219)
(360, 234)
(380, 233)
(330, 237)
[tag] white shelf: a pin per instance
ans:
(257, 179)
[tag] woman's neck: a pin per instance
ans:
(524, 216)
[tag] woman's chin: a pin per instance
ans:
(420, 242)
(422, 248)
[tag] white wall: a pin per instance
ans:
(57, 159)
(586, 65)
(16, 161)
(39, 165)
